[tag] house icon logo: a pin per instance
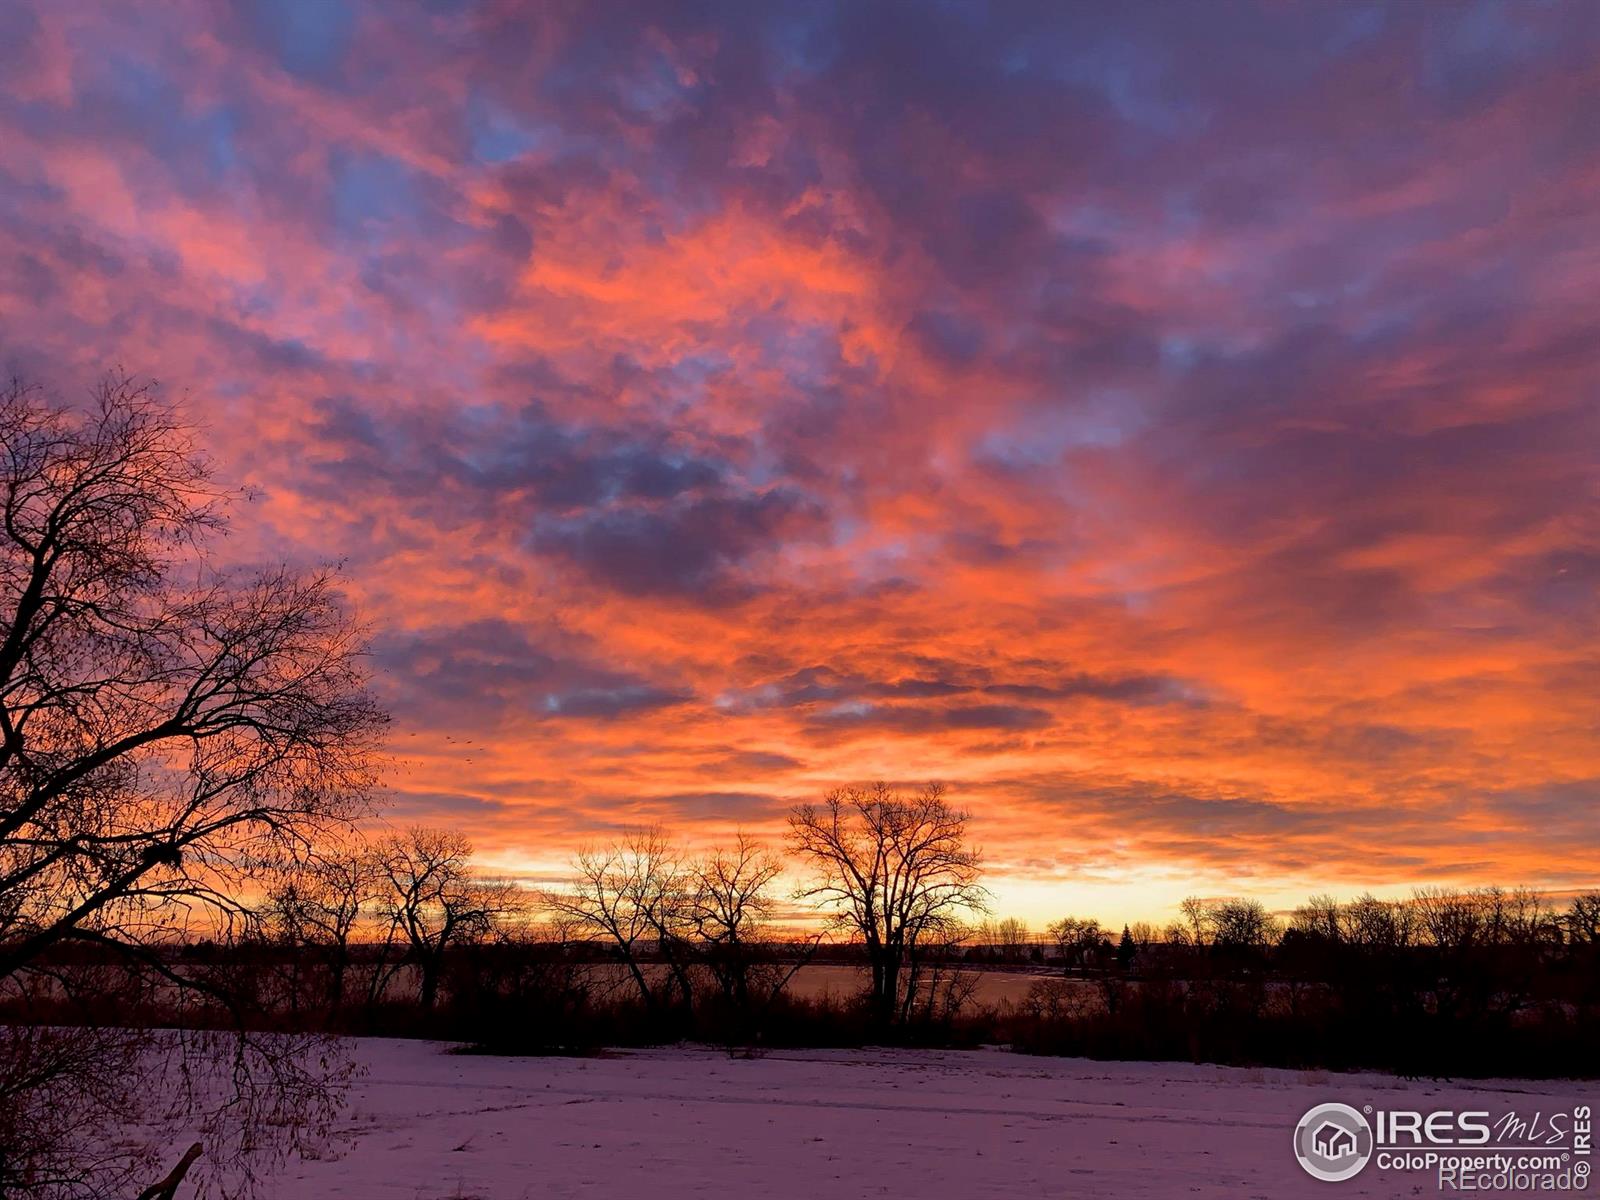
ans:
(1333, 1142)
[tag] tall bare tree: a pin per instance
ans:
(1077, 940)
(434, 902)
(1581, 922)
(1242, 924)
(1008, 937)
(1319, 918)
(732, 903)
(162, 724)
(166, 726)
(1378, 925)
(891, 868)
(318, 904)
(633, 894)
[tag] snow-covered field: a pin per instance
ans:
(664, 1124)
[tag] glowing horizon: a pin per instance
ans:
(1178, 430)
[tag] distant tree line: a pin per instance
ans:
(1483, 980)
(647, 942)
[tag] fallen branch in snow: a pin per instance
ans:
(167, 1188)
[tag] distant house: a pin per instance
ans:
(1332, 1141)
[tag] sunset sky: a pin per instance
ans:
(1176, 427)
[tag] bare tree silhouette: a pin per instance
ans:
(160, 724)
(1077, 940)
(433, 901)
(165, 727)
(1582, 920)
(630, 895)
(893, 869)
(732, 897)
(317, 905)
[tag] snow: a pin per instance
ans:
(663, 1124)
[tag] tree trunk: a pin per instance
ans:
(685, 988)
(889, 992)
(336, 975)
(430, 983)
